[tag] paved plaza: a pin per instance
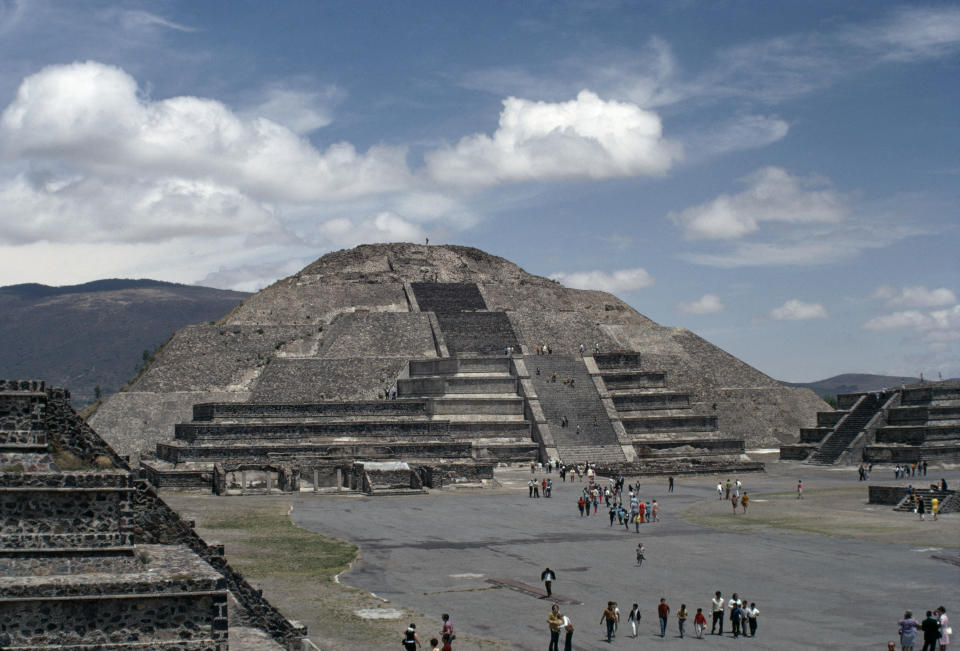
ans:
(436, 553)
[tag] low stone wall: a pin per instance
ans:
(635, 380)
(43, 563)
(795, 452)
(331, 451)
(918, 435)
(230, 433)
(829, 418)
(176, 478)
(910, 453)
(244, 410)
(642, 401)
(670, 424)
(689, 447)
(890, 495)
(455, 473)
(184, 622)
(813, 434)
(617, 360)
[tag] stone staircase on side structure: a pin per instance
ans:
(848, 428)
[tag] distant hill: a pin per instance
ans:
(81, 336)
(853, 383)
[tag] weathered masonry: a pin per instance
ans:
(90, 557)
(920, 422)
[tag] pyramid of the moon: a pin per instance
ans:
(397, 350)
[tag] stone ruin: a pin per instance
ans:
(429, 356)
(91, 557)
(908, 424)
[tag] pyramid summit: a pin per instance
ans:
(398, 351)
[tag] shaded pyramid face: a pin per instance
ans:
(348, 326)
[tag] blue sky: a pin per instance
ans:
(779, 178)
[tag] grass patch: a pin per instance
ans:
(293, 551)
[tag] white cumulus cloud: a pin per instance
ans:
(706, 304)
(587, 137)
(384, 227)
(915, 296)
(946, 320)
(795, 310)
(95, 117)
(622, 280)
(772, 195)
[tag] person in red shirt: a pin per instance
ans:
(663, 612)
(699, 623)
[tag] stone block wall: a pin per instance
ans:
(188, 622)
(890, 495)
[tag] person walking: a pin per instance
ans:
(555, 622)
(411, 641)
(934, 507)
(682, 618)
(717, 612)
(568, 634)
(699, 623)
(921, 506)
(752, 613)
(609, 617)
(446, 631)
(670, 484)
(719, 491)
(799, 489)
(736, 619)
(744, 501)
(663, 612)
(548, 577)
(733, 502)
(640, 554)
(634, 619)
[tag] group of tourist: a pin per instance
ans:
(534, 487)
(905, 470)
(411, 640)
(625, 507)
(743, 620)
(734, 492)
(935, 629)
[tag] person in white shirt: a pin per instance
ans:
(752, 613)
(717, 610)
(719, 491)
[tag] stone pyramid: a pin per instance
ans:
(474, 338)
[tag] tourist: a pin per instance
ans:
(663, 612)
(736, 618)
(580, 504)
(530, 487)
(799, 489)
(728, 489)
(924, 468)
(446, 633)
(568, 637)
(699, 623)
(549, 488)
(733, 501)
(945, 630)
(744, 502)
(717, 611)
(934, 507)
(640, 554)
(682, 618)
(434, 644)
(548, 577)
(719, 491)
(752, 615)
(655, 512)
(411, 640)
(536, 489)
(907, 628)
(931, 631)
(609, 616)
(555, 622)
(616, 622)
(634, 619)
(921, 506)
(734, 604)
(670, 484)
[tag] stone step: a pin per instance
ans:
(457, 384)
(645, 401)
(693, 423)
